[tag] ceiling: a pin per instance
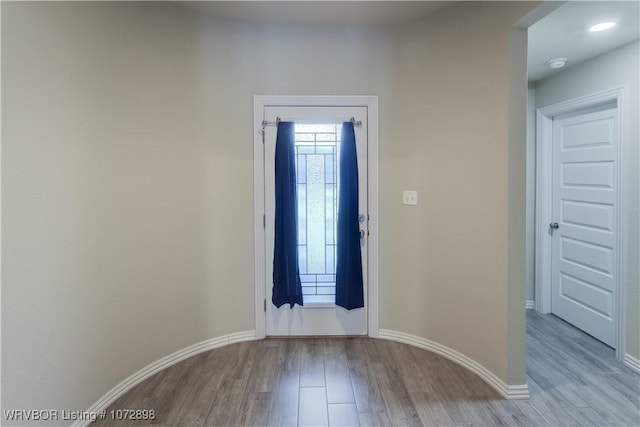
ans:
(561, 34)
(318, 12)
(564, 34)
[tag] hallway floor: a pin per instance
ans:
(574, 380)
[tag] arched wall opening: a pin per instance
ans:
(127, 182)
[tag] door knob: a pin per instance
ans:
(554, 226)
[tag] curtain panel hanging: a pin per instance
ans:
(287, 288)
(349, 281)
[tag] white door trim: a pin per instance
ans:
(261, 101)
(544, 137)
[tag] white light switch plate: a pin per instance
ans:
(409, 198)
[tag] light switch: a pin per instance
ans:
(409, 197)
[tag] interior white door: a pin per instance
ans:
(584, 224)
(317, 147)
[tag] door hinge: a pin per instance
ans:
(265, 305)
(264, 221)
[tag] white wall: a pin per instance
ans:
(620, 67)
(127, 181)
(531, 193)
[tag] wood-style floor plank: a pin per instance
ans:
(574, 380)
(431, 408)
(285, 400)
(313, 411)
(338, 380)
(365, 387)
(374, 419)
(311, 363)
(343, 415)
(395, 395)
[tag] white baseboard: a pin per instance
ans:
(530, 304)
(511, 392)
(103, 403)
(632, 362)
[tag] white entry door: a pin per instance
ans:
(585, 220)
(317, 155)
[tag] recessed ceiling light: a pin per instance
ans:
(602, 26)
(557, 63)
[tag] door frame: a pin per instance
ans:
(543, 243)
(261, 101)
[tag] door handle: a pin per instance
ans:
(554, 226)
(361, 233)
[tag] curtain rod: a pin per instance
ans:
(356, 123)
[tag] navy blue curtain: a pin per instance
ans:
(349, 283)
(287, 288)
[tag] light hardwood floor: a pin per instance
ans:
(574, 381)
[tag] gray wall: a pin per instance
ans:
(103, 268)
(127, 182)
(445, 263)
(620, 67)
